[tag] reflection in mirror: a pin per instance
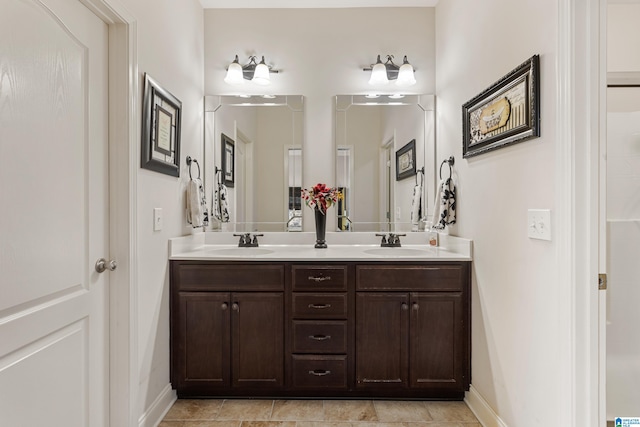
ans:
(265, 164)
(380, 142)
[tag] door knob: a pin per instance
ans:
(102, 265)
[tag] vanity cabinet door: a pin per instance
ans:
(257, 339)
(382, 333)
(437, 350)
(202, 341)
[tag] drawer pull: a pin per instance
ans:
(319, 306)
(319, 278)
(319, 372)
(320, 337)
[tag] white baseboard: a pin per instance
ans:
(481, 409)
(158, 409)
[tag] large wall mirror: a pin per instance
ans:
(385, 161)
(253, 162)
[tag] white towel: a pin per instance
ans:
(444, 212)
(220, 203)
(416, 204)
(197, 214)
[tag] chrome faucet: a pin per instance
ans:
(393, 241)
(246, 241)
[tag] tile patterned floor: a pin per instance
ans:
(317, 413)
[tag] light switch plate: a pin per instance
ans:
(539, 224)
(157, 219)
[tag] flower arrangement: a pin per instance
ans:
(321, 197)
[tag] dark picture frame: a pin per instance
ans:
(506, 113)
(161, 122)
(406, 161)
(227, 156)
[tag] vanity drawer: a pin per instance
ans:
(321, 337)
(319, 372)
(319, 306)
(319, 278)
(227, 277)
(411, 277)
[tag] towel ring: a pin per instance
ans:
(189, 161)
(450, 161)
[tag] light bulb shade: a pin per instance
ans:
(234, 74)
(378, 74)
(261, 74)
(405, 75)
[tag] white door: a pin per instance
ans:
(53, 215)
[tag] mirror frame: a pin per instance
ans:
(212, 104)
(426, 104)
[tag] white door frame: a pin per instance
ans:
(580, 120)
(123, 169)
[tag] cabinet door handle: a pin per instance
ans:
(319, 306)
(405, 306)
(224, 306)
(235, 306)
(319, 372)
(320, 337)
(416, 306)
(319, 278)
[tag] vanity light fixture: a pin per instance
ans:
(256, 72)
(381, 72)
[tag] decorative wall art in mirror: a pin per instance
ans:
(385, 148)
(227, 159)
(256, 143)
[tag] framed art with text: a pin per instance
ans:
(161, 118)
(506, 113)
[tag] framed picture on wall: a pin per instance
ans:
(506, 113)
(228, 160)
(406, 161)
(161, 118)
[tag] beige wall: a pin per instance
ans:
(517, 324)
(170, 49)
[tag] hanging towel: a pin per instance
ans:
(197, 213)
(416, 204)
(444, 212)
(220, 203)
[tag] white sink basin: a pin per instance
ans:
(237, 251)
(404, 252)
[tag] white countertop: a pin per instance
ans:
(198, 247)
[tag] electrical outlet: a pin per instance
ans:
(157, 219)
(539, 224)
(398, 213)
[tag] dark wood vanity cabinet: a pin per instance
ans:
(225, 342)
(412, 328)
(320, 329)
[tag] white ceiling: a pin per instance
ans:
(301, 4)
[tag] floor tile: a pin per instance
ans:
(450, 411)
(324, 424)
(246, 409)
(297, 410)
(171, 424)
(227, 423)
(397, 411)
(268, 424)
(194, 409)
(379, 424)
(349, 410)
(443, 424)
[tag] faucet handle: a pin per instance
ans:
(384, 238)
(255, 239)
